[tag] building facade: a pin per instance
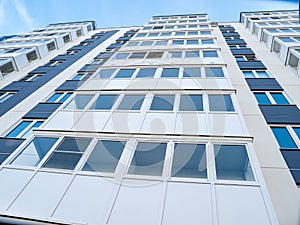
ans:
(180, 121)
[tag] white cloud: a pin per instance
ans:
(21, 9)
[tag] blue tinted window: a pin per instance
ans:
(214, 72)
(29, 132)
(297, 131)
(210, 54)
(178, 42)
(170, 72)
(105, 157)
(106, 73)
(192, 33)
(176, 54)
(262, 74)
(162, 102)
(191, 54)
(21, 127)
(208, 41)
(54, 97)
(35, 151)
(189, 161)
(66, 96)
(191, 72)
(192, 42)
(78, 77)
(146, 43)
(248, 74)
(149, 72)
(125, 73)
(105, 102)
(148, 159)
(279, 98)
(220, 103)
(286, 39)
(283, 137)
(153, 34)
(262, 98)
(232, 163)
(205, 32)
(131, 102)
(179, 33)
(191, 102)
(121, 56)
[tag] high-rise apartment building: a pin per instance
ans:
(181, 121)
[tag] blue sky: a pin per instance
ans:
(17, 16)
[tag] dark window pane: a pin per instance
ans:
(105, 156)
(191, 72)
(148, 159)
(154, 55)
(162, 102)
(146, 73)
(170, 72)
(125, 73)
(131, 102)
(62, 160)
(262, 98)
(105, 102)
(74, 144)
(232, 163)
(189, 161)
(191, 103)
(137, 55)
(214, 72)
(220, 103)
(283, 137)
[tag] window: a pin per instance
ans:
(232, 163)
(191, 72)
(34, 152)
(24, 129)
(179, 33)
(132, 44)
(144, 73)
(131, 102)
(205, 32)
(125, 73)
(104, 157)
(141, 35)
(153, 34)
(286, 39)
(214, 72)
(191, 102)
(137, 55)
(255, 74)
(7, 68)
(293, 61)
(191, 54)
(161, 42)
(31, 56)
(170, 72)
(5, 95)
(105, 73)
(78, 76)
(207, 41)
(66, 38)
(189, 161)
(271, 98)
(192, 33)
(68, 153)
(220, 102)
(59, 97)
(210, 54)
(192, 42)
(79, 33)
(162, 102)
(283, 137)
(121, 56)
(79, 101)
(178, 42)
(148, 159)
(175, 54)
(104, 102)
(51, 46)
(146, 43)
(153, 55)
